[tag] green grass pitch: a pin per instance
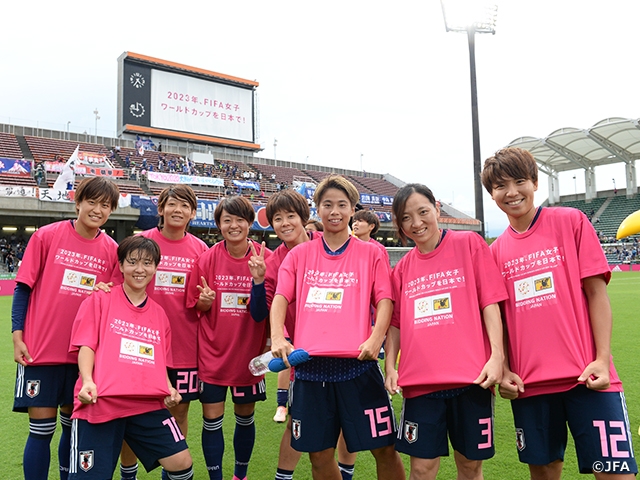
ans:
(623, 291)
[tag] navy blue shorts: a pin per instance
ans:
(210, 393)
(598, 421)
(467, 418)
(185, 381)
(95, 447)
(360, 407)
(44, 386)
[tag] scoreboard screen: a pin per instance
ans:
(165, 99)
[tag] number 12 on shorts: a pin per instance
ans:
(613, 438)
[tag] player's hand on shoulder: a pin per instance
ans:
(596, 375)
(104, 287)
(511, 385)
(88, 393)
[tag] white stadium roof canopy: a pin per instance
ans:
(612, 140)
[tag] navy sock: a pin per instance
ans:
(128, 473)
(282, 396)
(37, 451)
(186, 474)
(243, 439)
(346, 471)
(64, 447)
(213, 446)
(282, 474)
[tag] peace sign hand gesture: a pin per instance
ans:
(257, 267)
(206, 298)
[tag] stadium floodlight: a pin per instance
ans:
(68, 123)
(471, 17)
(95, 112)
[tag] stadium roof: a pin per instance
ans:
(612, 140)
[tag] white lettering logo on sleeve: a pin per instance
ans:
(234, 300)
(535, 286)
(323, 296)
(136, 348)
(171, 279)
(83, 280)
(433, 305)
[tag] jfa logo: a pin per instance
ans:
(33, 388)
(520, 439)
(295, 429)
(86, 460)
(410, 431)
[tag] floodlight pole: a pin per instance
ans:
(475, 125)
(486, 24)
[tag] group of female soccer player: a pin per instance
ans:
(182, 321)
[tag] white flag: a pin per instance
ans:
(68, 176)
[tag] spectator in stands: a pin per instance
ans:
(273, 177)
(314, 226)
(10, 262)
(127, 161)
(132, 175)
(39, 173)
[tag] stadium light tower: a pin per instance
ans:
(275, 144)
(95, 112)
(471, 17)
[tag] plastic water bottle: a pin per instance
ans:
(268, 363)
(260, 364)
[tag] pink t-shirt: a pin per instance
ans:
(271, 280)
(439, 299)
(228, 338)
(169, 289)
(381, 247)
(131, 348)
(61, 267)
(333, 295)
(550, 335)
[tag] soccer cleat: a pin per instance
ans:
(281, 415)
(296, 357)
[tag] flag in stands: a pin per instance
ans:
(67, 177)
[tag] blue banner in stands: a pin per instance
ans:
(204, 216)
(371, 199)
(245, 184)
(15, 167)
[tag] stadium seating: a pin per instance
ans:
(9, 146)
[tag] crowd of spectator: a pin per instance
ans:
(12, 250)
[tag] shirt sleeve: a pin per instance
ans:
(381, 278)
(21, 295)
(86, 326)
(396, 285)
(287, 277)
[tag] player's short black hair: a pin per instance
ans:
(512, 162)
(100, 189)
(143, 246)
(180, 192)
(235, 205)
(400, 203)
(288, 201)
(369, 217)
